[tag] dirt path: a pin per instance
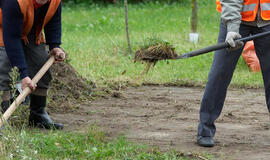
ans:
(168, 117)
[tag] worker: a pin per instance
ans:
(22, 45)
(238, 19)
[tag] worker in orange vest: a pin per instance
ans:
(238, 19)
(23, 45)
(249, 53)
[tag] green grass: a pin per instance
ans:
(33, 144)
(95, 39)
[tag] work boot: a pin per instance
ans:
(38, 116)
(205, 141)
(4, 106)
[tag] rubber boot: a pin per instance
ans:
(38, 116)
(205, 141)
(4, 106)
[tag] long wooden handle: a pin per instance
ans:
(26, 91)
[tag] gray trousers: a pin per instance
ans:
(36, 56)
(221, 73)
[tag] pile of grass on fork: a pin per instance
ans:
(154, 51)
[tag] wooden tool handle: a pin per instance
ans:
(26, 91)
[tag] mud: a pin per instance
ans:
(167, 117)
(68, 89)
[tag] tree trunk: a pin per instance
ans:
(194, 17)
(127, 29)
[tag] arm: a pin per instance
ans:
(53, 35)
(12, 30)
(53, 30)
(231, 14)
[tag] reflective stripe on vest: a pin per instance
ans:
(250, 10)
(265, 6)
(249, 7)
(265, 10)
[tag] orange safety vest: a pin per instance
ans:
(27, 10)
(250, 9)
(218, 6)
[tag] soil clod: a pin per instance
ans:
(68, 89)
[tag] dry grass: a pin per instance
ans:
(153, 51)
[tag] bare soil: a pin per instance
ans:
(68, 89)
(167, 117)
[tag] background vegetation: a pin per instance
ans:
(94, 37)
(120, 1)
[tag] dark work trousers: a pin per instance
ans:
(221, 73)
(35, 55)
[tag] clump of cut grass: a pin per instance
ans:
(154, 50)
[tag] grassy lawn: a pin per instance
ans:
(33, 144)
(95, 39)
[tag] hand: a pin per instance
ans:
(230, 39)
(59, 54)
(27, 82)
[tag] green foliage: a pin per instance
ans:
(33, 144)
(89, 2)
(14, 76)
(95, 39)
(153, 41)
